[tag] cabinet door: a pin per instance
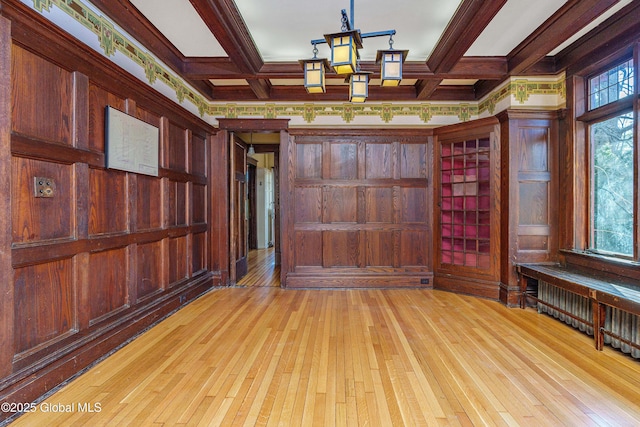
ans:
(465, 203)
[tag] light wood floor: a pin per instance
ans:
(261, 355)
(262, 270)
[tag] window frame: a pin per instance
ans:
(628, 104)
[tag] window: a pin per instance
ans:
(612, 185)
(612, 150)
(612, 85)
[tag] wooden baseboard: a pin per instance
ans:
(34, 381)
(464, 285)
(382, 281)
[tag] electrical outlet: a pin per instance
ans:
(424, 281)
(43, 187)
(183, 299)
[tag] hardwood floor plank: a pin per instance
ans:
(271, 356)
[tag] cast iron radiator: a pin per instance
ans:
(559, 303)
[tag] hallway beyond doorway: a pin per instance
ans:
(262, 270)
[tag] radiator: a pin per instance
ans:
(557, 301)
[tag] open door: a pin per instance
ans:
(238, 206)
(239, 216)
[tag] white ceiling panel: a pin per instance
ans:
(283, 29)
(181, 25)
(515, 21)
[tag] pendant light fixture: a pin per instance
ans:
(391, 61)
(345, 60)
(314, 72)
(252, 151)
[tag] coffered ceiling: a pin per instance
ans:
(248, 50)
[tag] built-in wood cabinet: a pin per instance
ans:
(465, 203)
(467, 211)
(496, 185)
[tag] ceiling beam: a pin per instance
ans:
(127, 16)
(261, 88)
(403, 93)
(226, 24)
(488, 68)
(208, 68)
(617, 33)
(426, 87)
(467, 24)
(568, 20)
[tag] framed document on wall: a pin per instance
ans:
(132, 145)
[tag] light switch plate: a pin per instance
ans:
(43, 187)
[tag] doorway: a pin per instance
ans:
(254, 211)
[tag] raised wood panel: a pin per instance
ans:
(340, 204)
(199, 205)
(199, 253)
(414, 205)
(108, 292)
(379, 161)
(533, 242)
(147, 116)
(534, 208)
(341, 249)
(534, 150)
(177, 148)
(308, 248)
(413, 248)
(149, 269)
(198, 156)
(308, 205)
(308, 161)
(42, 98)
(413, 161)
(178, 259)
(108, 211)
(343, 161)
(379, 205)
(99, 98)
(177, 203)
(41, 218)
(149, 210)
(534, 196)
(380, 248)
(44, 304)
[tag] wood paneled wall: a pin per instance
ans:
(529, 153)
(111, 252)
(359, 209)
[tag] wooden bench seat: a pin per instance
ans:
(600, 290)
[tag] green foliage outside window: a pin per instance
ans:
(612, 203)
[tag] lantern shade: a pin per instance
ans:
(344, 50)
(359, 86)
(391, 66)
(314, 74)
